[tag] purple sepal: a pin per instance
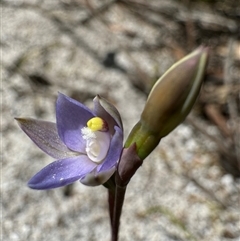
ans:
(61, 173)
(44, 135)
(114, 152)
(108, 112)
(72, 116)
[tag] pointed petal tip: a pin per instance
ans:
(43, 186)
(97, 97)
(35, 187)
(34, 184)
(23, 120)
(20, 119)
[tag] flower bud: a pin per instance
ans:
(169, 102)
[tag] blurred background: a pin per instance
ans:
(188, 189)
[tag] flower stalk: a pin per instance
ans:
(117, 210)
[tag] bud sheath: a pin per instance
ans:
(169, 102)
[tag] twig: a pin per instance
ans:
(232, 105)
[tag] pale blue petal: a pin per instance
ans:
(108, 112)
(114, 152)
(72, 116)
(61, 172)
(44, 134)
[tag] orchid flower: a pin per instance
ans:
(86, 143)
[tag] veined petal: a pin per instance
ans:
(61, 172)
(95, 179)
(114, 152)
(44, 135)
(107, 112)
(71, 117)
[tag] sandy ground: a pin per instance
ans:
(180, 193)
